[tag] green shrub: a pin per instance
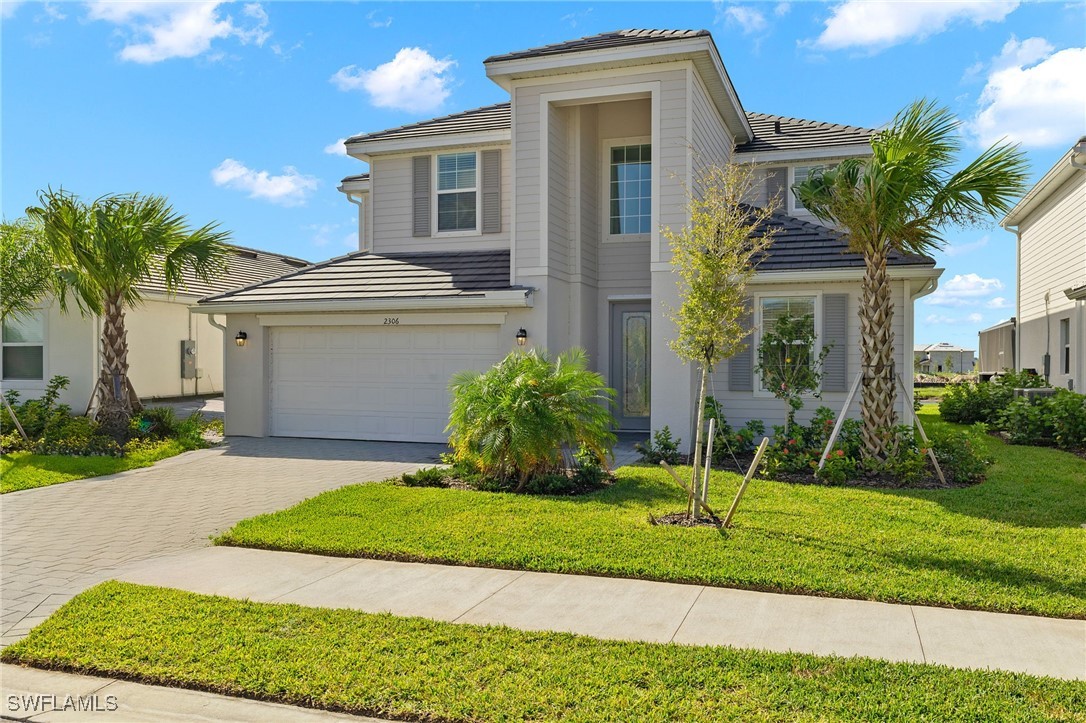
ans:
(36, 415)
(661, 448)
(589, 470)
(1059, 420)
(839, 468)
(973, 402)
(959, 456)
(76, 436)
(514, 421)
(426, 477)
(1067, 412)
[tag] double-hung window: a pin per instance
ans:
(1065, 346)
(630, 174)
(798, 309)
(801, 174)
(457, 192)
(24, 347)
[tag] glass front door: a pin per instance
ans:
(630, 370)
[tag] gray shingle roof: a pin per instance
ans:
(361, 276)
(614, 39)
(798, 134)
(487, 118)
(799, 245)
(356, 177)
(245, 267)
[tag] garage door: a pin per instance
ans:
(383, 383)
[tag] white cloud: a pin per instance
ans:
(965, 248)
(158, 31)
(879, 25)
(1033, 96)
(963, 290)
(413, 81)
(289, 189)
(376, 22)
(745, 16)
(782, 9)
(999, 302)
(337, 147)
(8, 8)
(574, 19)
(973, 318)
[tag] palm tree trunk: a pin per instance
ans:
(879, 396)
(114, 392)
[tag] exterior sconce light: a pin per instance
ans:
(240, 338)
(522, 336)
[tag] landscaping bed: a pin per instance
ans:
(1011, 544)
(25, 470)
(415, 669)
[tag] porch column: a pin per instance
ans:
(672, 381)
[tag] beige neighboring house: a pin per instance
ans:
(1050, 225)
(172, 351)
(537, 220)
(943, 357)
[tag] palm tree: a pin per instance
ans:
(899, 200)
(102, 252)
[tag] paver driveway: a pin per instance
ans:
(57, 541)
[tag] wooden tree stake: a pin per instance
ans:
(746, 480)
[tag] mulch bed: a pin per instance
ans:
(680, 519)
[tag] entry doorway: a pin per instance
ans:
(630, 363)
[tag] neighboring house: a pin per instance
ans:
(942, 357)
(1050, 225)
(997, 347)
(172, 351)
(540, 217)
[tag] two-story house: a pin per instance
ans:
(1050, 225)
(538, 221)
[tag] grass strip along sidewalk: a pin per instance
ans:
(1011, 544)
(424, 670)
(24, 471)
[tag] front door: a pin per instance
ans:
(630, 373)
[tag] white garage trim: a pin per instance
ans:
(371, 382)
(390, 319)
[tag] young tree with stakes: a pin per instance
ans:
(899, 200)
(103, 251)
(715, 256)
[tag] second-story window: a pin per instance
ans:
(457, 192)
(631, 189)
(801, 174)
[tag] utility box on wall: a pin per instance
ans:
(188, 359)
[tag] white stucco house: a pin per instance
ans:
(172, 351)
(540, 217)
(1050, 225)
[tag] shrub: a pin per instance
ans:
(661, 448)
(36, 415)
(76, 436)
(1058, 420)
(973, 402)
(513, 421)
(426, 477)
(839, 468)
(959, 457)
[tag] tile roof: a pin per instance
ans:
(780, 133)
(356, 177)
(487, 118)
(613, 39)
(245, 267)
(361, 276)
(800, 245)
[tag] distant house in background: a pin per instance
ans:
(943, 357)
(172, 351)
(1050, 223)
(997, 347)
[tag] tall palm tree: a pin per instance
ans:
(103, 251)
(899, 200)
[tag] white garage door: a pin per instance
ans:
(365, 382)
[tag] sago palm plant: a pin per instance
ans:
(513, 421)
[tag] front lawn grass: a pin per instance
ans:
(419, 669)
(1011, 544)
(24, 470)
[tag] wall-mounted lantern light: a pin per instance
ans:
(240, 338)
(522, 336)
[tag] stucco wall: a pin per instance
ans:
(155, 332)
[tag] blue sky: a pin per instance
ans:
(233, 110)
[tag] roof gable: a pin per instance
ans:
(602, 41)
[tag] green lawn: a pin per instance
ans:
(1013, 543)
(24, 471)
(425, 670)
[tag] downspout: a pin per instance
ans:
(929, 286)
(359, 200)
(1017, 295)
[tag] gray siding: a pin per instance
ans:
(712, 143)
(591, 208)
(559, 178)
(392, 208)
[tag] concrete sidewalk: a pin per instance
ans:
(43, 695)
(623, 609)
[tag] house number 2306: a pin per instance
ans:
(392, 321)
